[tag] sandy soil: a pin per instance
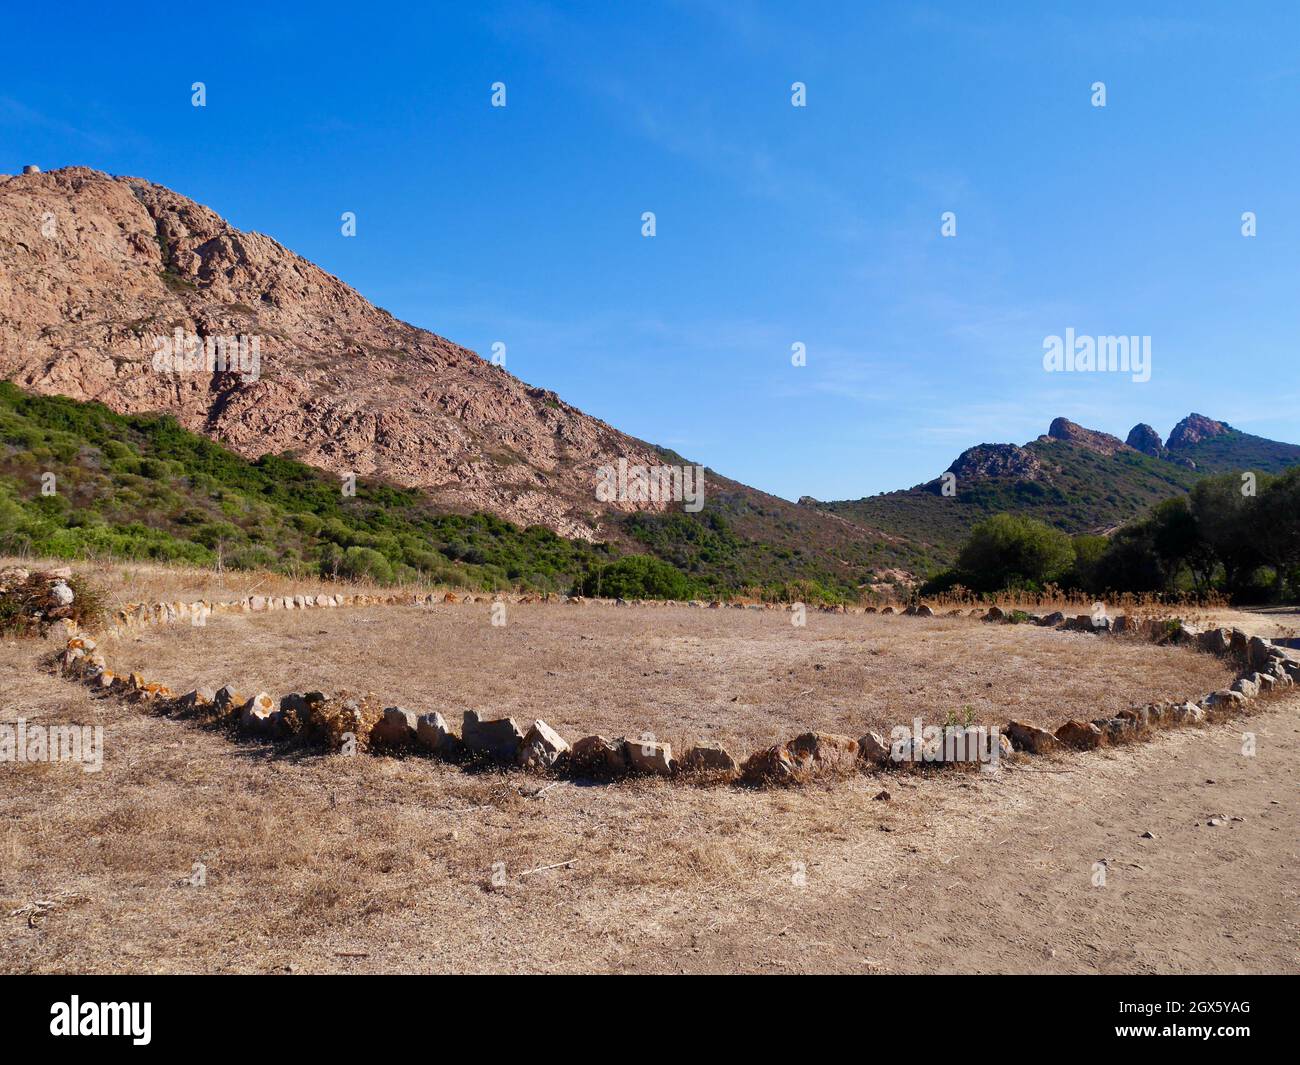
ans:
(324, 864)
(746, 678)
(1011, 883)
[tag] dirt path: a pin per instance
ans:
(1011, 890)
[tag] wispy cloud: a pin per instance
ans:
(18, 115)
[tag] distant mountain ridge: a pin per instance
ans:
(1217, 445)
(1077, 479)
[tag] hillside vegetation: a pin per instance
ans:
(1226, 537)
(1075, 489)
(1235, 450)
(142, 487)
(78, 480)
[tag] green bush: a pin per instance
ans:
(637, 577)
(365, 562)
(1008, 551)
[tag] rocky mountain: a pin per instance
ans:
(117, 290)
(1216, 447)
(1145, 439)
(96, 272)
(993, 461)
(1078, 479)
(1102, 443)
(1195, 428)
(1196, 442)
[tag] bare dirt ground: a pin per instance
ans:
(323, 864)
(315, 863)
(746, 678)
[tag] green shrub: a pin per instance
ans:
(365, 562)
(1007, 551)
(638, 577)
(143, 487)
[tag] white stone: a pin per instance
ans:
(542, 747)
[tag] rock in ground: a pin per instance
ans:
(598, 756)
(1081, 735)
(648, 756)
(1030, 738)
(873, 749)
(771, 766)
(397, 728)
(709, 756)
(499, 739)
(823, 752)
(433, 733)
(543, 747)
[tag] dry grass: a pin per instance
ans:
(308, 859)
(747, 678)
(141, 582)
(320, 863)
(1140, 604)
(1272, 622)
(332, 864)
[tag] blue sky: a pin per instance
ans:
(775, 224)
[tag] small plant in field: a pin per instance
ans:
(176, 282)
(963, 720)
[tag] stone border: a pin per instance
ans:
(337, 723)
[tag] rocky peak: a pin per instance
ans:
(995, 460)
(1102, 443)
(1195, 428)
(1146, 440)
(97, 271)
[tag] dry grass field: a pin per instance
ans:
(138, 582)
(747, 678)
(327, 863)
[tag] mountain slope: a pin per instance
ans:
(96, 272)
(1216, 447)
(342, 384)
(1076, 479)
(78, 480)
(141, 487)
